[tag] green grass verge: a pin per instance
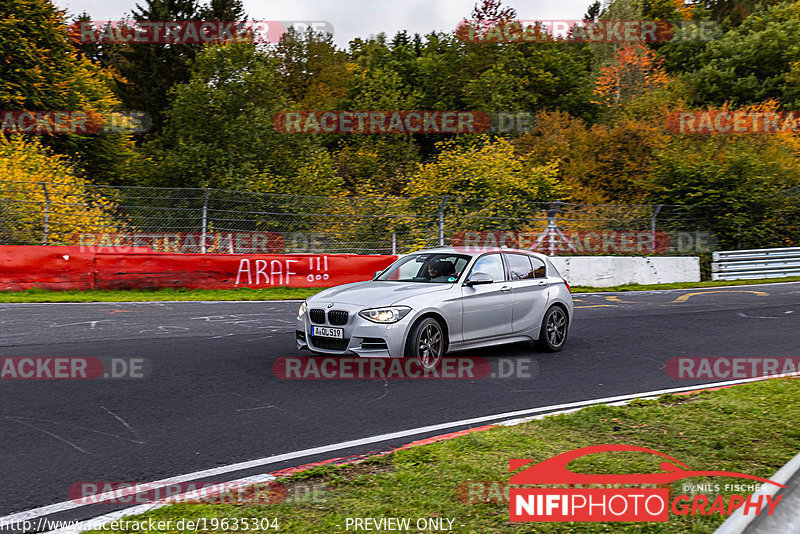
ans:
(752, 428)
(140, 295)
(289, 293)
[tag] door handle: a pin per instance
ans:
(505, 289)
(543, 283)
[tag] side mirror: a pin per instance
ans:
(376, 275)
(478, 278)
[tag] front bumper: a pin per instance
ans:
(361, 337)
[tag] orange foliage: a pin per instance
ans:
(634, 70)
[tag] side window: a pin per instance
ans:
(492, 265)
(519, 267)
(539, 270)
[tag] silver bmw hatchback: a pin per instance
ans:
(439, 301)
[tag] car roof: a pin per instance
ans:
(478, 250)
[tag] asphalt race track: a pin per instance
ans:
(210, 398)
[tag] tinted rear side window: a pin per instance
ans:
(539, 270)
(519, 267)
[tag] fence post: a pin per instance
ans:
(394, 243)
(552, 226)
(205, 222)
(46, 212)
(653, 228)
(441, 221)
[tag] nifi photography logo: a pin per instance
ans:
(620, 503)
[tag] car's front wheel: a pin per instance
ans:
(554, 330)
(426, 343)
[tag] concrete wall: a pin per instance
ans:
(606, 271)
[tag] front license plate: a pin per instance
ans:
(324, 331)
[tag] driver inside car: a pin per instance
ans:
(439, 271)
(433, 271)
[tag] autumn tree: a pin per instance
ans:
(487, 169)
(734, 186)
(754, 62)
(43, 70)
(219, 129)
(634, 70)
(315, 72)
(493, 11)
(32, 175)
(150, 70)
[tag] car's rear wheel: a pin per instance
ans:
(555, 326)
(426, 343)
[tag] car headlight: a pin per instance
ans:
(302, 311)
(390, 314)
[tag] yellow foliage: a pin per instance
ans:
(489, 170)
(29, 176)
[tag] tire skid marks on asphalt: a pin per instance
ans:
(92, 324)
(165, 329)
(49, 426)
(132, 324)
(244, 320)
(782, 316)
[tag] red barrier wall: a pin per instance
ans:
(23, 267)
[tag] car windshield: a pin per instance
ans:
(436, 268)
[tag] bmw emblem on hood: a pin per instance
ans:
(330, 305)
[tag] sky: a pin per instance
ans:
(360, 18)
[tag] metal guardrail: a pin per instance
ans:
(785, 520)
(756, 263)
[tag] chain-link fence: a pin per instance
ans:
(198, 220)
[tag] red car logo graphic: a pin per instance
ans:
(554, 470)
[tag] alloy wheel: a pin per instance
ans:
(429, 346)
(556, 327)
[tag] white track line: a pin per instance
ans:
(496, 418)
